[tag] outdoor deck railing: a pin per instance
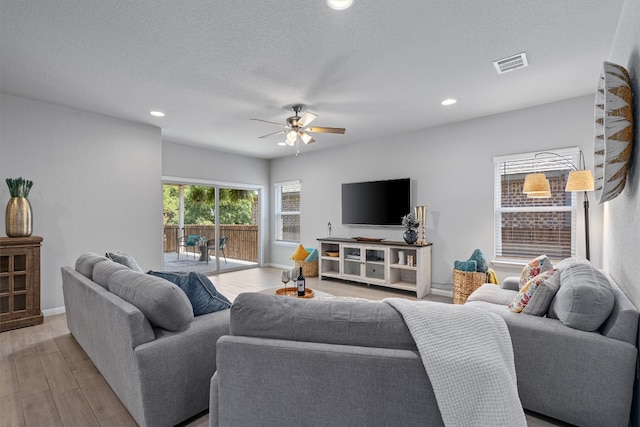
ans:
(242, 240)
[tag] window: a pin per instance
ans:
(288, 211)
(527, 227)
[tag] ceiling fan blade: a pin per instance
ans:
(306, 119)
(307, 139)
(325, 130)
(273, 123)
(274, 133)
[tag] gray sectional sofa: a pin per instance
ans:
(290, 362)
(140, 332)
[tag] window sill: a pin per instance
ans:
(285, 243)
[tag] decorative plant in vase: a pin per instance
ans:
(410, 222)
(18, 219)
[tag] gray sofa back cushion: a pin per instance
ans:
(102, 271)
(584, 300)
(164, 304)
(331, 321)
(86, 262)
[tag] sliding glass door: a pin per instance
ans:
(210, 228)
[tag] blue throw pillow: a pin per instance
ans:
(478, 257)
(202, 294)
(313, 255)
(470, 265)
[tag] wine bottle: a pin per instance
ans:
(300, 283)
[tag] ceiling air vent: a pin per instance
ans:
(511, 63)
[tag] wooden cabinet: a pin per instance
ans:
(19, 282)
(392, 264)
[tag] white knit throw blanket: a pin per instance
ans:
(468, 357)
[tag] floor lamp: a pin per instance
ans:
(536, 185)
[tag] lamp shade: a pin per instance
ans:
(535, 183)
(541, 194)
(580, 181)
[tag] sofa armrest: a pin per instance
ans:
(270, 382)
(512, 283)
(175, 369)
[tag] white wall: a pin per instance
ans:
(96, 184)
(452, 169)
(622, 214)
(199, 164)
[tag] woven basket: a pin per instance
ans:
(309, 268)
(465, 282)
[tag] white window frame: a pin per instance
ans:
(530, 163)
(279, 186)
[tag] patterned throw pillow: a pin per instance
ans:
(526, 292)
(533, 268)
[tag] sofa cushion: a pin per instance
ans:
(493, 294)
(86, 262)
(202, 294)
(533, 268)
(163, 303)
(539, 303)
(584, 300)
(330, 321)
(527, 291)
(103, 271)
(124, 258)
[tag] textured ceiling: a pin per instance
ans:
(377, 69)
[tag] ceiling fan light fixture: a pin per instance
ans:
(305, 138)
(291, 137)
(339, 4)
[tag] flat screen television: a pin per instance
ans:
(376, 202)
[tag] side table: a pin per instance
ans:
(19, 282)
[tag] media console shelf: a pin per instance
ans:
(377, 263)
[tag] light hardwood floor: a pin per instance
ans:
(46, 379)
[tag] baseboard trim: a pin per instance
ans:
(53, 311)
(442, 292)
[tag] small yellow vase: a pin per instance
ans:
(18, 219)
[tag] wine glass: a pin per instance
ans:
(294, 279)
(285, 277)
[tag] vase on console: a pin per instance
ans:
(410, 223)
(18, 217)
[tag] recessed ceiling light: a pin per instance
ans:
(339, 4)
(449, 101)
(157, 113)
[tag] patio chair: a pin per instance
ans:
(211, 244)
(188, 241)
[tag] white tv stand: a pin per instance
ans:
(376, 263)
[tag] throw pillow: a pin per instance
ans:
(124, 258)
(533, 268)
(527, 291)
(313, 255)
(162, 302)
(300, 254)
(585, 298)
(478, 257)
(469, 265)
(539, 303)
(202, 294)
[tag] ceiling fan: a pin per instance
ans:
(297, 128)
